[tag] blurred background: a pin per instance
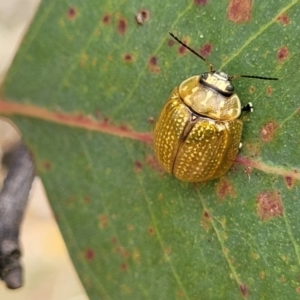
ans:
(49, 273)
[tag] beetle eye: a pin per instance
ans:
(204, 75)
(230, 88)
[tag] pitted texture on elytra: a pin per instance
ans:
(194, 148)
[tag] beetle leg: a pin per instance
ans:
(248, 107)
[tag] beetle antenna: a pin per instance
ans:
(192, 50)
(250, 76)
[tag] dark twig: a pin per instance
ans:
(13, 201)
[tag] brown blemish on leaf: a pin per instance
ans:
(171, 42)
(103, 221)
(244, 290)
(130, 227)
(167, 250)
(262, 275)
(122, 25)
(269, 91)
(142, 16)
(150, 120)
(127, 58)
(154, 164)
(225, 188)
(106, 19)
(83, 59)
(114, 240)
(137, 166)
(205, 50)
(239, 11)
(200, 2)
(72, 13)
(289, 182)
(298, 289)
(180, 294)
(89, 254)
(206, 220)
(151, 230)
(282, 54)
(153, 65)
(267, 131)
(87, 200)
(124, 267)
(251, 89)
(269, 205)
(136, 256)
(47, 165)
(282, 279)
(253, 149)
(284, 19)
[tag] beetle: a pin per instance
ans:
(197, 135)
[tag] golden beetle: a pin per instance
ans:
(197, 135)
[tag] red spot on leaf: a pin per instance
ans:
(225, 188)
(87, 200)
(151, 230)
(282, 54)
(200, 2)
(267, 132)
(182, 50)
(289, 181)
(128, 57)
(72, 13)
(154, 164)
(269, 205)
(47, 165)
(206, 220)
(244, 290)
(205, 50)
(124, 267)
(106, 19)
(239, 11)
(137, 166)
(122, 25)
(252, 89)
(89, 254)
(114, 240)
(171, 42)
(269, 91)
(152, 64)
(167, 250)
(180, 294)
(103, 221)
(142, 16)
(284, 19)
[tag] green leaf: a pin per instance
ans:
(84, 88)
